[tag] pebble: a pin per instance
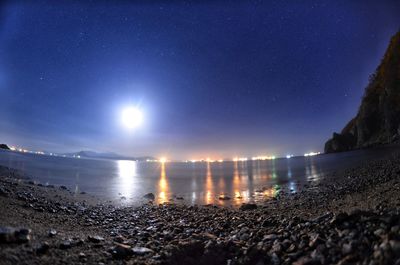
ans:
(42, 248)
(14, 235)
(141, 250)
(66, 244)
(52, 233)
(121, 251)
(95, 239)
(149, 196)
(248, 206)
(224, 197)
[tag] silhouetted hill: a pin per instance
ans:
(108, 155)
(378, 118)
(4, 146)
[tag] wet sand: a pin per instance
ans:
(353, 217)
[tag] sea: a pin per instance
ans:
(220, 183)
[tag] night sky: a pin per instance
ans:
(213, 79)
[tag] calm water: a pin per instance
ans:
(127, 181)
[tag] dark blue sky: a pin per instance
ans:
(215, 79)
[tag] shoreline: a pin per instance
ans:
(351, 218)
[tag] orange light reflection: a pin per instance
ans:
(162, 186)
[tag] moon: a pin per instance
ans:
(132, 117)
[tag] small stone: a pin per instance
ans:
(42, 248)
(395, 245)
(95, 239)
(270, 237)
(223, 197)
(52, 233)
(141, 251)
(210, 236)
(277, 248)
(275, 259)
(379, 232)
(7, 234)
(248, 206)
(81, 255)
(347, 248)
(339, 218)
(314, 240)
(121, 251)
(3, 192)
(23, 235)
(395, 229)
(291, 248)
(385, 246)
(66, 244)
(304, 261)
(63, 188)
(120, 239)
(149, 196)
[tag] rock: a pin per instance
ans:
(3, 192)
(7, 234)
(379, 232)
(95, 239)
(149, 196)
(223, 197)
(141, 251)
(13, 235)
(339, 218)
(120, 239)
(121, 251)
(66, 244)
(42, 248)
(395, 246)
(270, 237)
(315, 239)
(52, 233)
(63, 188)
(23, 235)
(347, 249)
(248, 206)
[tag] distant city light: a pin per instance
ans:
(263, 157)
(289, 156)
(312, 154)
(162, 160)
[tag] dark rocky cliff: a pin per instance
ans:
(378, 118)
